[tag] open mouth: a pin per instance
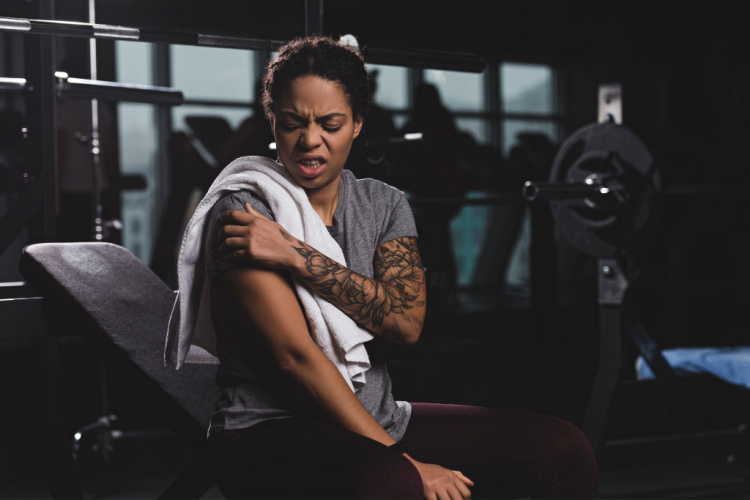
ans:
(311, 167)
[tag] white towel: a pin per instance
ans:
(191, 337)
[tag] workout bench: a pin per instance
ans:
(121, 308)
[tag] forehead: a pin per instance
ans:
(312, 94)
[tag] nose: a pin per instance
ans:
(310, 138)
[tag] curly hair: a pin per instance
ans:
(320, 56)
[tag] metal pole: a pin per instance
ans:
(97, 229)
(40, 116)
(374, 53)
(313, 17)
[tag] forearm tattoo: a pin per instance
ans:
(399, 278)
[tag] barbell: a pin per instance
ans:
(604, 189)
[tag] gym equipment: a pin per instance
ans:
(126, 325)
(109, 32)
(605, 195)
(375, 53)
(603, 190)
(81, 88)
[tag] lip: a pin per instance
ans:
(307, 171)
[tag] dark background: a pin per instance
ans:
(685, 73)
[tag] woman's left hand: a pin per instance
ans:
(252, 237)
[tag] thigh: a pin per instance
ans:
(506, 450)
(304, 458)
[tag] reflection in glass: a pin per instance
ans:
(233, 115)
(213, 73)
(138, 150)
(477, 127)
(134, 63)
(468, 233)
(391, 89)
(526, 88)
(512, 129)
(459, 90)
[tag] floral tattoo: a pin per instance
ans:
(394, 291)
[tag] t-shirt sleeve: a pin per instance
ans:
(215, 264)
(399, 220)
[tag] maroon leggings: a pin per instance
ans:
(508, 454)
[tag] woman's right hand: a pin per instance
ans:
(250, 236)
(440, 483)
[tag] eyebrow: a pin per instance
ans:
(321, 119)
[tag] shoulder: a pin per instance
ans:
(376, 191)
(236, 200)
(380, 206)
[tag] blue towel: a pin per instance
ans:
(731, 364)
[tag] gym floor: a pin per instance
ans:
(483, 368)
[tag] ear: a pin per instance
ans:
(357, 125)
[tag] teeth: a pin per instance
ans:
(312, 163)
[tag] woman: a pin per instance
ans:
(288, 424)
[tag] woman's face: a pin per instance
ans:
(314, 130)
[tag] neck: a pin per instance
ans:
(325, 200)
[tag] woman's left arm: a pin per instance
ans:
(391, 304)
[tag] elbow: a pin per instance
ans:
(293, 363)
(410, 340)
(409, 336)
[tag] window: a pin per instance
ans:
(528, 104)
(212, 73)
(527, 101)
(492, 108)
(138, 151)
(527, 88)
(392, 91)
(463, 94)
(460, 91)
(520, 100)
(215, 82)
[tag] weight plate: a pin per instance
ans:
(611, 156)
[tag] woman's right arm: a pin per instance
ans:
(269, 303)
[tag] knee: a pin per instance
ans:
(568, 444)
(572, 460)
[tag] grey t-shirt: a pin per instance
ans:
(369, 213)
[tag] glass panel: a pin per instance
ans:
(513, 128)
(233, 116)
(468, 233)
(458, 90)
(213, 73)
(477, 127)
(138, 150)
(526, 88)
(134, 63)
(518, 274)
(391, 86)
